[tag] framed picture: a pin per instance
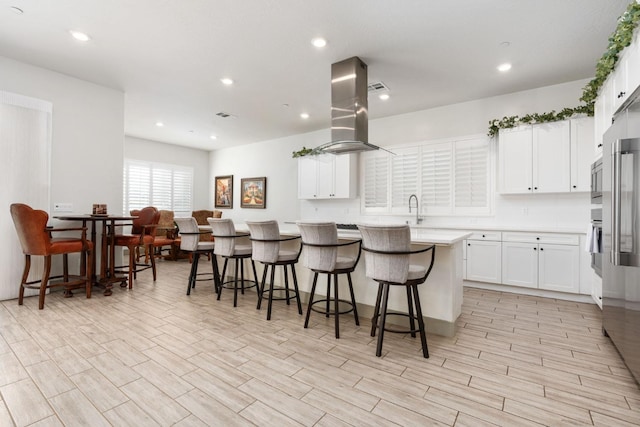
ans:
(224, 191)
(253, 193)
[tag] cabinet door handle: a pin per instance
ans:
(537, 238)
(468, 244)
(535, 249)
(599, 145)
(483, 235)
(542, 249)
(535, 188)
(574, 186)
(529, 188)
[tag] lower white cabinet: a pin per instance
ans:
(541, 260)
(484, 261)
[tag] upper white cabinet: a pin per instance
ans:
(327, 176)
(582, 153)
(535, 159)
(547, 157)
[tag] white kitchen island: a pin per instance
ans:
(440, 295)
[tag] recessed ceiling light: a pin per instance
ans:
(384, 96)
(504, 67)
(159, 124)
(319, 42)
(17, 10)
(226, 81)
(80, 36)
(304, 115)
(213, 137)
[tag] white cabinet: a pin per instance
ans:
(483, 257)
(535, 159)
(327, 176)
(543, 261)
(582, 153)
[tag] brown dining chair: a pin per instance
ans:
(143, 231)
(36, 240)
(165, 234)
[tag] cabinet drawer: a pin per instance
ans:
(494, 236)
(544, 238)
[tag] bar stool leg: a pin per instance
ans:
(412, 323)
(235, 284)
(376, 311)
(241, 276)
(270, 304)
(262, 284)
(336, 305)
(295, 287)
(382, 319)
(328, 301)
(423, 336)
(353, 300)
(224, 271)
(313, 292)
(255, 278)
(286, 285)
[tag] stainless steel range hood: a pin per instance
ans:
(349, 109)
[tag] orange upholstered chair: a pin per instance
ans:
(36, 240)
(143, 231)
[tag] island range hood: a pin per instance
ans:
(349, 109)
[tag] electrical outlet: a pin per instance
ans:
(63, 207)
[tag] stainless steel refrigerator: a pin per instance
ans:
(621, 234)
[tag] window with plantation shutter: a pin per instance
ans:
(472, 173)
(436, 182)
(375, 182)
(450, 177)
(163, 186)
(404, 176)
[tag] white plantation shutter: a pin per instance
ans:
(160, 185)
(404, 177)
(376, 180)
(450, 177)
(471, 173)
(436, 170)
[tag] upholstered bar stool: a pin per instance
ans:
(191, 242)
(265, 242)
(320, 255)
(387, 252)
(36, 240)
(224, 234)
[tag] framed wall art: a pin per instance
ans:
(224, 192)
(253, 193)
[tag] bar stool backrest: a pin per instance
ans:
(188, 242)
(225, 246)
(319, 233)
(386, 238)
(266, 252)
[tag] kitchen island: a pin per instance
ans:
(440, 295)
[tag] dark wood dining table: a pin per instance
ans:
(106, 277)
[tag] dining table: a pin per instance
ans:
(107, 277)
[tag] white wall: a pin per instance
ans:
(273, 159)
(153, 151)
(87, 134)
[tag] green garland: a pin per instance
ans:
(618, 41)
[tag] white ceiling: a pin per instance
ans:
(168, 56)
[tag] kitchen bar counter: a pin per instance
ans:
(440, 295)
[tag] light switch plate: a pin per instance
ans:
(63, 207)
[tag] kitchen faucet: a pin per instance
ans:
(418, 219)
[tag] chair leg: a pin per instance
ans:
(353, 300)
(286, 285)
(191, 282)
(87, 271)
(25, 275)
(255, 279)
(216, 273)
(224, 271)
(235, 284)
(241, 276)
(412, 323)
(423, 335)
(153, 262)
(376, 311)
(132, 266)
(262, 284)
(45, 280)
(328, 301)
(313, 293)
(270, 304)
(295, 287)
(382, 318)
(336, 304)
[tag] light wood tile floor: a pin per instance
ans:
(154, 356)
